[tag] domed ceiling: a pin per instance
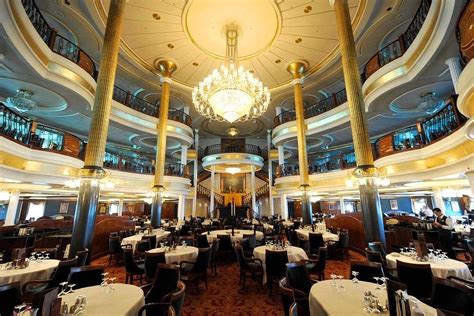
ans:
(272, 33)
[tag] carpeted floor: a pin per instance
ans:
(224, 296)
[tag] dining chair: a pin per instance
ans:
(189, 240)
(123, 234)
(196, 271)
(141, 247)
(10, 296)
(252, 240)
(452, 296)
(315, 242)
(202, 241)
(213, 256)
(367, 270)
(60, 274)
(157, 309)
(248, 266)
(132, 267)
(152, 259)
(377, 246)
(392, 288)
(298, 278)
(417, 277)
(85, 276)
(340, 248)
(317, 264)
(165, 282)
(275, 264)
(115, 250)
(177, 298)
(151, 239)
(82, 257)
(286, 295)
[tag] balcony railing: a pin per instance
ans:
(56, 42)
(247, 149)
(47, 138)
(64, 47)
(426, 132)
(387, 54)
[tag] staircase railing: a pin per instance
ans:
(259, 193)
(206, 193)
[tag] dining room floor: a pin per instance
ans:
(224, 295)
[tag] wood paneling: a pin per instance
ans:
(72, 145)
(104, 225)
(466, 32)
(385, 145)
(354, 226)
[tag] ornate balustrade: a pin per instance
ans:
(259, 193)
(64, 47)
(46, 138)
(219, 149)
(387, 54)
(426, 132)
(205, 192)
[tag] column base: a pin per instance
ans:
(157, 206)
(371, 211)
(85, 214)
(306, 209)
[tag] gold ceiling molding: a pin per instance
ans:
(16, 162)
(71, 75)
(326, 61)
(403, 69)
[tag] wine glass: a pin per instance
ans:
(63, 287)
(70, 290)
(111, 284)
(355, 279)
(384, 282)
(340, 277)
(333, 277)
(377, 279)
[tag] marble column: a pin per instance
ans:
(184, 155)
(281, 155)
(438, 199)
(365, 171)
(284, 206)
(120, 208)
(211, 203)
(92, 172)
(297, 69)
(12, 209)
(454, 71)
(195, 172)
(341, 202)
(270, 173)
(252, 189)
(166, 69)
(181, 208)
(470, 177)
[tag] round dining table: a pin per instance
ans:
(181, 253)
(37, 270)
(238, 234)
(441, 269)
(325, 299)
(327, 236)
(125, 299)
(295, 254)
(134, 239)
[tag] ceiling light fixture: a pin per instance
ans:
(429, 103)
(22, 101)
(230, 93)
(232, 170)
(232, 131)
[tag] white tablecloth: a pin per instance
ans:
(127, 299)
(295, 254)
(35, 271)
(181, 253)
(238, 234)
(133, 240)
(441, 269)
(463, 229)
(327, 300)
(303, 233)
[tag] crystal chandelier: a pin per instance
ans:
(22, 101)
(232, 131)
(230, 93)
(429, 103)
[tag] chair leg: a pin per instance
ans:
(205, 280)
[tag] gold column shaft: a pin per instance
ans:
(161, 137)
(360, 135)
(97, 139)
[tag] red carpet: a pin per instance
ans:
(224, 296)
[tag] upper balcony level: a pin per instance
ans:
(445, 122)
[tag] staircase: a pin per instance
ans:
(206, 193)
(259, 193)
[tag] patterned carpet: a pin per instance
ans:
(224, 296)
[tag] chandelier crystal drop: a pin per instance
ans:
(22, 101)
(230, 93)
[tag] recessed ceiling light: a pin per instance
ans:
(156, 16)
(389, 8)
(170, 46)
(277, 61)
(298, 40)
(195, 64)
(308, 9)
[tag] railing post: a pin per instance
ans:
(127, 99)
(52, 39)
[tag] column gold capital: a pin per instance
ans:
(297, 68)
(166, 67)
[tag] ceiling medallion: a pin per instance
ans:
(230, 93)
(22, 101)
